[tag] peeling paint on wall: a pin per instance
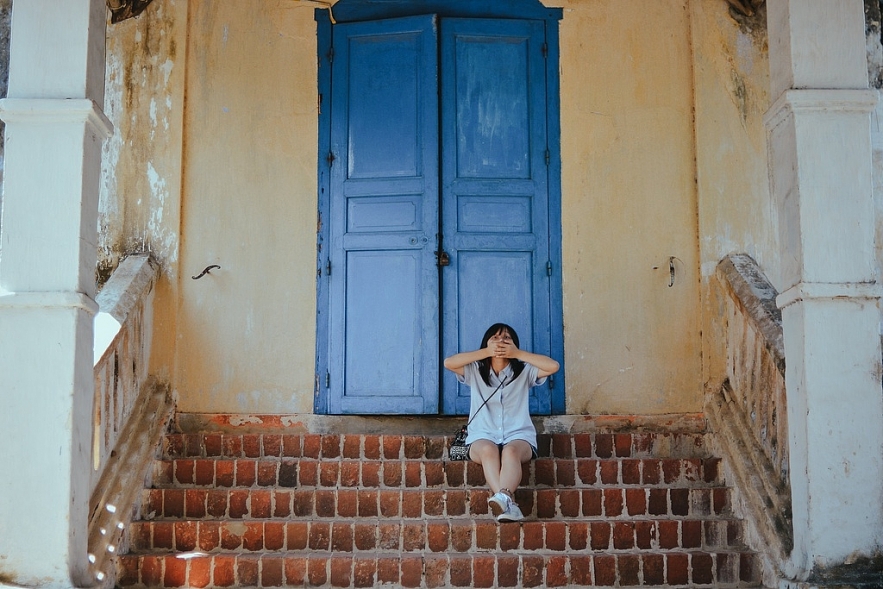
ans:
(141, 163)
(5, 25)
(873, 18)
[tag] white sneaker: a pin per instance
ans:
(498, 503)
(512, 513)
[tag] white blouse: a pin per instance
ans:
(506, 416)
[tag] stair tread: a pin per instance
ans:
(426, 569)
(437, 535)
(420, 503)
(377, 446)
(352, 473)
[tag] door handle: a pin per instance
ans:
(442, 259)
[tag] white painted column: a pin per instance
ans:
(54, 131)
(820, 148)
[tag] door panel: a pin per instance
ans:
(492, 104)
(383, 320)
(376, 344)
(384, 117)
(495, 213)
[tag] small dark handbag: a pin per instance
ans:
(459, 450)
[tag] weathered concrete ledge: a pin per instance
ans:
(127, 286)
(428, 425)
(756, 296)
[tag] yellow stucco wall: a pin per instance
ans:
(629, 204)
(246, 338)
(736, 211)
(242, 79)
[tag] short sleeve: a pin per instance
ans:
(470, 374)
(532, 378)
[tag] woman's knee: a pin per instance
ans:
(481, 450)
(518, 450)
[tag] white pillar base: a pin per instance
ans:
(835, 404)
(47, 384)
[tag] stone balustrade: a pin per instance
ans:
(749, 413)
(131, 409)
(122, 339)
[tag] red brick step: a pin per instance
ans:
(304, 472)
(395, 447)
(434, 535)
(609, 502)
(497, 569)
(317, 569)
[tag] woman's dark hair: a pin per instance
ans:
(484, 365)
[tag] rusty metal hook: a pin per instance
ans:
(206, 271)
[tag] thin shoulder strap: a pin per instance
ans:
(502, 382)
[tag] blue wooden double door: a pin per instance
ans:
(438, 207)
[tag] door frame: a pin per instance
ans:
(360, 10)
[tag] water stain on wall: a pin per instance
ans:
(139, 163)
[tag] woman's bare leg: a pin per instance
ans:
(487, 454)
(514, 454)
(501, 471)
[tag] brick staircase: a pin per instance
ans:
(270, 510)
